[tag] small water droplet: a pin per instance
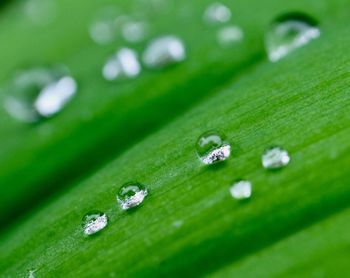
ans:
(94, 222)
(241, 190)
(275, 158)
(131, 195)
(105, 26)
(288, 33)
(217, 13)
(211, 147)
(134, 31)
(229, 35)
(39, 93)
(123, 65)
(164, 51)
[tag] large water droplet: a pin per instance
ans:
(241, 190)
(211, 147)
(288, 33)
(134, 31)
(131, 195)
(104, 28)
(217, 13)
(94, 222)
(275, 158)
(123, 65)
(164, 51)
(39, 93)
(229, 35)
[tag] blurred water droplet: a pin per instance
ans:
(241, 190)
(229, 35)
(123, 65)
(164, 51)
(212, 148)
(31, 273)
(178, 223)
(39, 93)
(94, 222)
(288, 33)
(217, 13)
(131, 195)
(159, 6)
(275, 158)
(134, 31)
(40, 12)
(105, 26)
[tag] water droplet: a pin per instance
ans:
(164, 51)
(131, 195)
(40, 12)
(94, 222)
(288, 33)
(104, 28)
(123, 65)
(241, 190)
(217, 13)
(134, 31)
(31, 273)
(229, 35)
(275, 158)
(212, 148)
(39, 93)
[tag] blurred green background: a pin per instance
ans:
(145, 128)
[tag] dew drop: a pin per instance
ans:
(241, 190)
(164, 51)
(217, 13)
(134, 31)
(104, 28)
(229, 35)
(275, 158)
(212, 148)
(94, 222)
(131, 195)
(288, 33)
(39, 93)
(123, 65)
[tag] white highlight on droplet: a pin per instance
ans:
(275, 158)
(164, 51)
(55, 96)
(216, 155)
(123, 65)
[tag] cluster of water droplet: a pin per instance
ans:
(212, 148)
(39, 93)
(160, 53)
(218, 15)
(129, 196)
(42, 92)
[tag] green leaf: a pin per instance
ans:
(320, 250)
(189, 224)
